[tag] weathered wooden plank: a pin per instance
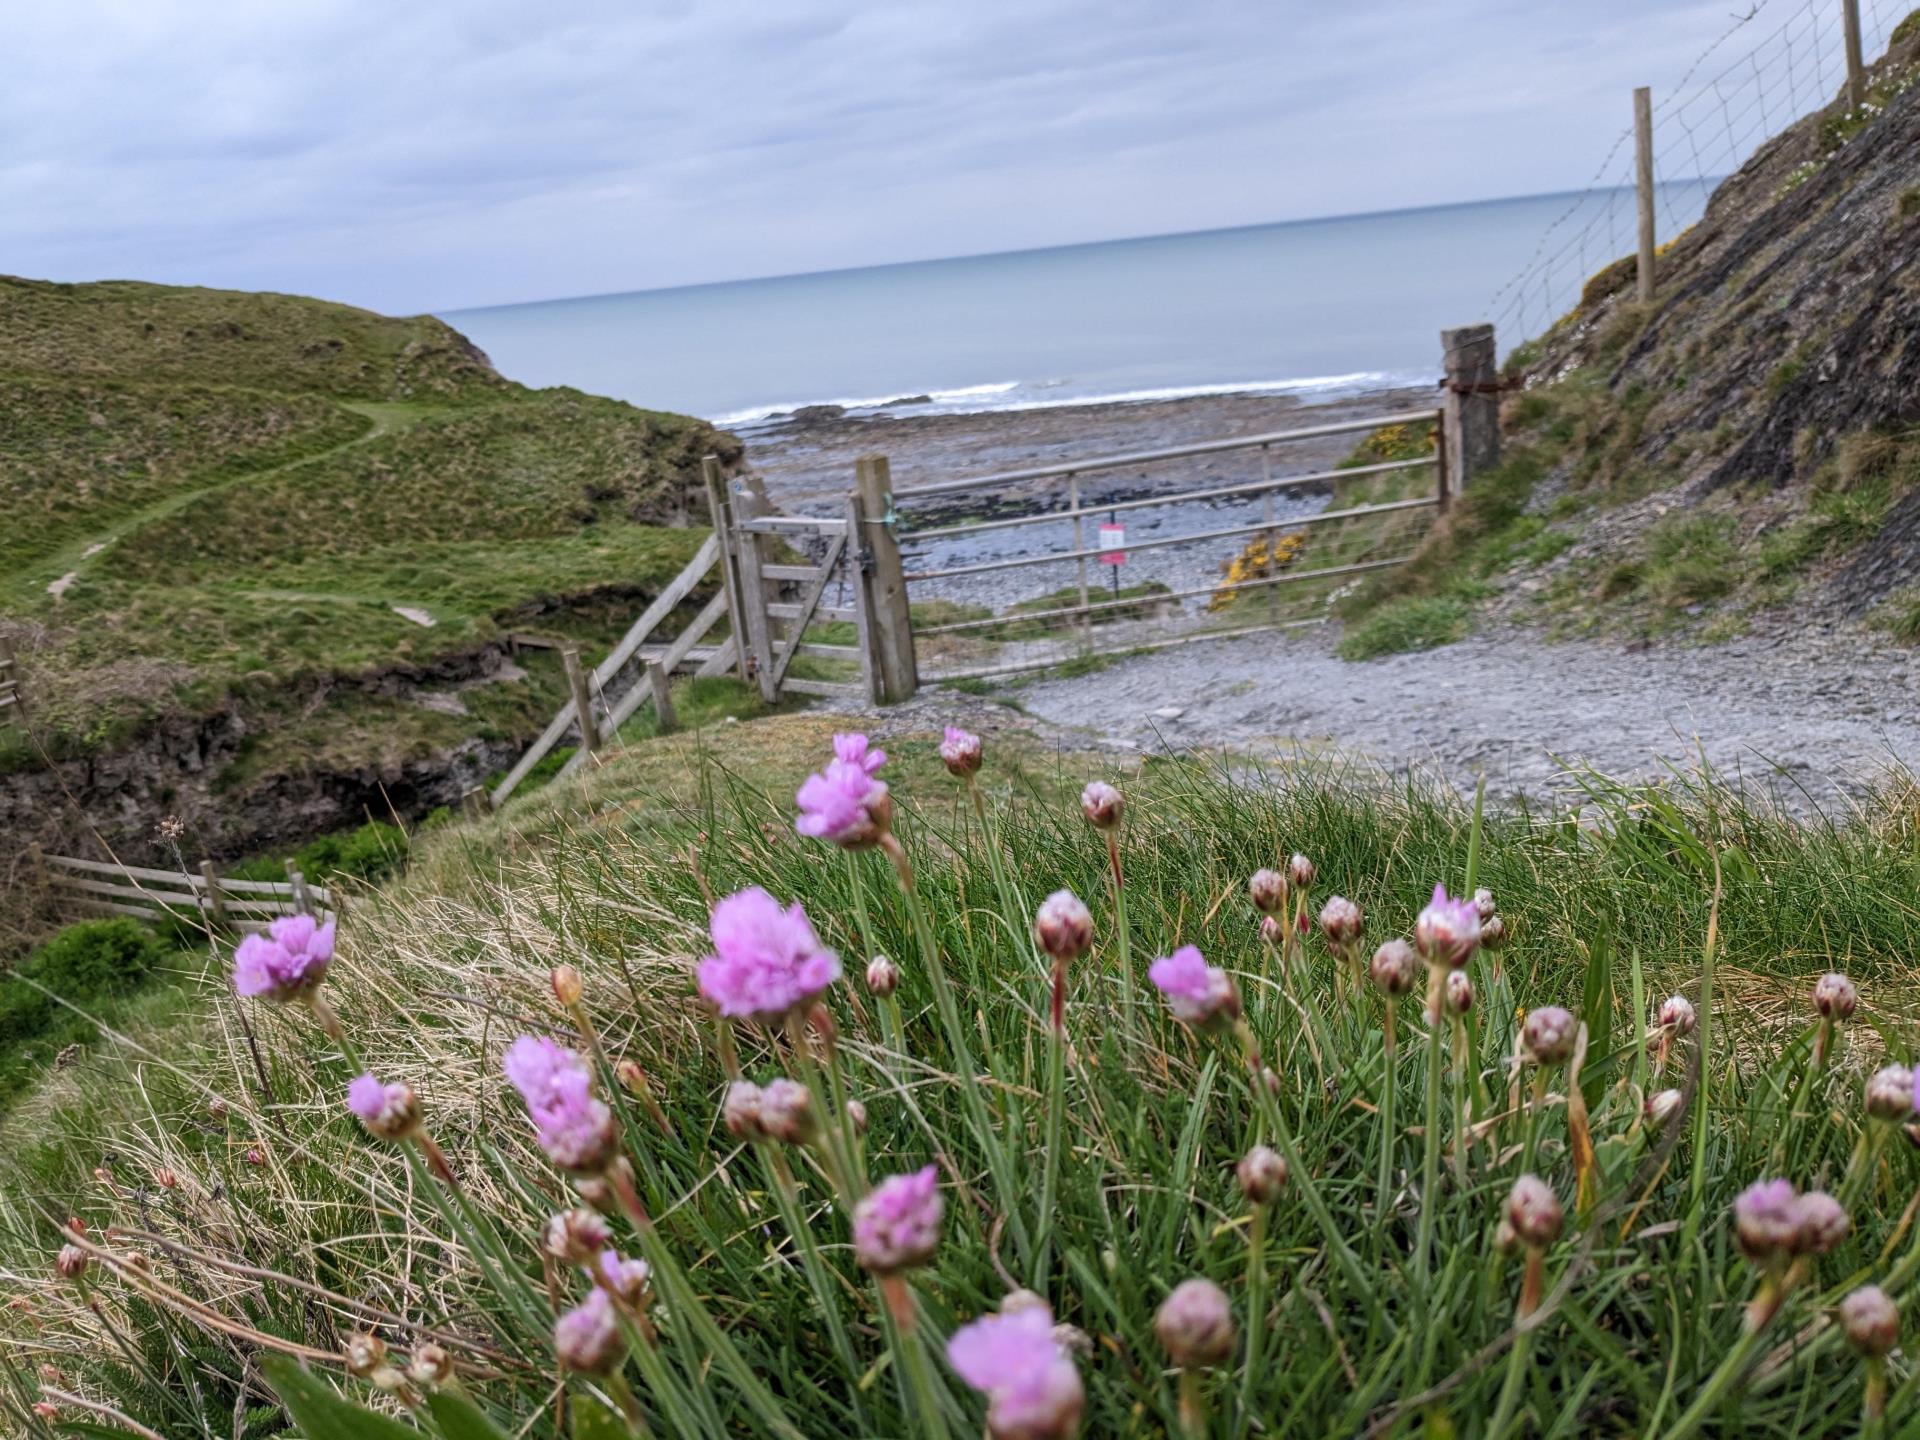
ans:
(846, 690)
(663, 605)
(809, 601)
(790, 572)
(828, 652)
(723, 659)
(133, 872)
(187, 897)
(630, 702)
(781, 610)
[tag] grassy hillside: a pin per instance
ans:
(219, 504)
(1100, 1173)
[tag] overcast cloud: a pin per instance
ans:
(434, 154)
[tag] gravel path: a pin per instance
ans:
(1813, 718)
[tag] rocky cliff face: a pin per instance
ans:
(1784, 339)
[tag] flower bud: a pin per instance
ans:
(960, 751)
(576, 1237)
(1300, 870)
(1483, 905)
(1890, 1093)
(566, 985)
(1676, 1016)
(1548, 1035)
(217, 1108)
(256, 1156)
(1871, 1320)
(1493, 933)
(390, 1111)
(165, 1178)
(1459, 992)
(365, 1354)
(1340, 920)
(1662, 1106)
(1268, 891)
(786, 1112)
(629, 1281)
(72, 1262)
(1534, 1212)
(587, 1338)
(1195, 1325)
(857, 1116)
(632, 1077)
(46, 1410)
(1062, 926)
(1262, 1174)
(1395, 968)
(430, 1366)
(883, 976)
(1766, 1220)
(1102, 805)
(740, 1111)
(1447, 930)
(1834, 997)
(1272, 929)
(1822, 1223)
(1016, 1301)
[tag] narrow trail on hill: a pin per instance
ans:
(67, 563)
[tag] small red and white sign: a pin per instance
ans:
(1112, 534)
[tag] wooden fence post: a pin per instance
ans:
(1856, 65)
(856, 560)
(582, 700)
(753, 592)
(1470, 409)
(663, 715)
(716, 483)
(216, 902)
(1643, 186)
(302, 897)
(892, 620)
(474, 804)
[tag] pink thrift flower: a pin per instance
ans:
(388, 1111)
(898, 1225)
(575, 1129)
(1199, 994)
(1030, 1379)
(960, 751)
(1447, 930)
(587, 1338)
(767, 962)
(627, 1279)
(844, 803)
(287, 962)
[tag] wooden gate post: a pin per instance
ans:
(302, 898)
(666, 721)
(855, 559)
(892, 621)
(1470, 407)
(582, 700)
(1643, 187)
(716, 482)
(758, 630)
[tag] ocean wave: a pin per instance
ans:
(1006, 395)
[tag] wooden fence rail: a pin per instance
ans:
(98, 887)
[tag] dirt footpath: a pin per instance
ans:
(1813, 718)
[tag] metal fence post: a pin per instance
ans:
(1470, 408)
(1643, 186)
(892, 617)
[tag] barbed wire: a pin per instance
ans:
(1728, 102)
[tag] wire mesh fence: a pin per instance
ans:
(1778, 62)
(1033, 569)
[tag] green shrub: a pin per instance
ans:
(1412, 624)
(95, 958)
(369, 852)
(1691, 558)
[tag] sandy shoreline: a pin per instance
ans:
(807, 461)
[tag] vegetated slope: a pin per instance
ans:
(218, 506)
(1746, 442)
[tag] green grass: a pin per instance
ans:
(1412, 624)
(1609, 907)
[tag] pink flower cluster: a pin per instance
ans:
(767, 962)
(844, 803)
(1028, 1376)
(1447, 931)
(287, 962)
(574, 1128)
(1199, 994)
(898, 1225)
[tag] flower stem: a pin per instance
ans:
(1389, 1084)
(1256, 1304)
(1050, 1155)
(1517, 1359)
(1430, 1161)
(1718, 1384)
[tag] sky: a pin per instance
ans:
(441, 154)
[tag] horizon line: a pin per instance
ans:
(1063, 245)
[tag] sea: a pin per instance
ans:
(1325, 307)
